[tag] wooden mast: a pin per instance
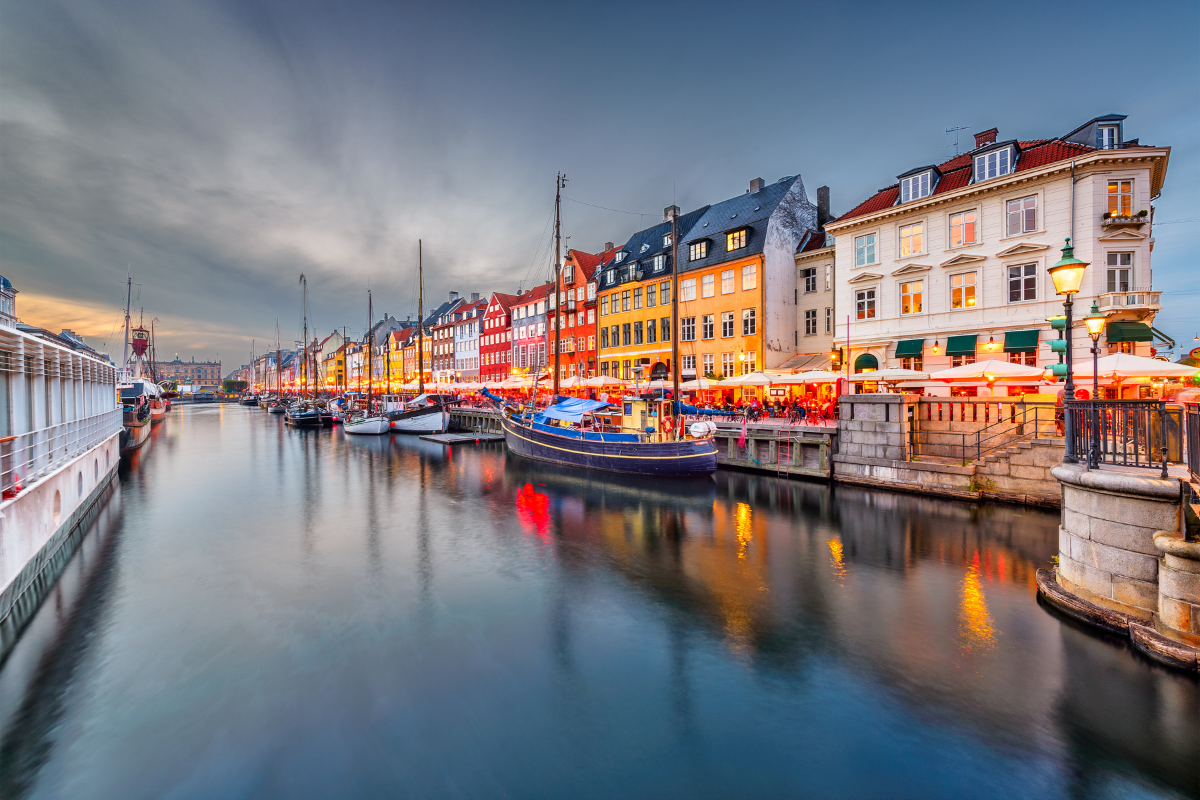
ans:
(420, 321)
(674, 310)
(304, 341)
(558, 305)
(370, 354)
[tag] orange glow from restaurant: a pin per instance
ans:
(975, 629)
(533, 510)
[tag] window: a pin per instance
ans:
(697, 251)
(664, 293)
(1021, 215)
(726, 365)
(568, 274)
(604, 368)
(615, 339)
(687, 363)
(829, 320)
(651, 290)
(618, 258)
(828, 276)
(911, 363)
(637, 332)
(749, 277)
(864, 250)
(658, 263)
(707, 361)
(687, 329)
(591, 291)
(1107, 136)
(749, 322)
(637, 299)
(645, 247)
(726, 324)
(625, 300)
(610, 277)
(626, 338)
(1028, 358)
(962, 228)
(687, 290)
(958, 361)
(604, 337)
(810, 322)
(810, 280)
(627, 372)
(993, 164)
(910, 297)
(914, 187)
(591, 316)
(912, 239)
(665, 330)
(651, 331)
(864, 304)
(735, 240)
(751, 362)
(591, 343)
(962, 290)
(667, 240)
(1120, 270)
(1022, 283)
(708, 326)
(1120, 198)
(708, 285)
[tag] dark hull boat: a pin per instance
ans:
(135, 432)
(614, 452)
(303, 417)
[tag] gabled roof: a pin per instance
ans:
(810, 241)
(647, 243)
(505, 300)
(750, 210)
(587, 262)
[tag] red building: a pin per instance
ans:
(495, 338)
(577, 313)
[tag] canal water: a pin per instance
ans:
(265, 612)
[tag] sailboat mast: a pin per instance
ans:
(128, 299)
(558, 315)
(420, 322)
(370, 353)
(674, 310)
(304, 341)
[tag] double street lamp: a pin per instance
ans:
(1067, 275)
(1095, 326)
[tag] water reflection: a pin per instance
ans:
(379, 616)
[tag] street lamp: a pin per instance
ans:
(1095, 326)
(1067, 275)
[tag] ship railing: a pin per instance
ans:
(26, 458)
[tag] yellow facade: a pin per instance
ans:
(720, 326)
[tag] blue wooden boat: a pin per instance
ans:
(613, 437)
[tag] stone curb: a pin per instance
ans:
(1164, 650)
(1171, 542)
(1118, 482)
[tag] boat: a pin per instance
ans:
(159, 405)
(278, 407)
(136, 418)
(364, 422)
(204, 397)
(248, 399)
(303, 415)
(360, 424)
(424, 414)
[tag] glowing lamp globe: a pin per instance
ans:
(1067, 274)
(1094, 322)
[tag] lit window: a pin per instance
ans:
(1021, 216)
(1120, 271)
(735, 240)
(810, 322)
(915, 187)
(864, 250)
(687, 329)
(751, 362)
(707, 360)
(1022, 283)
(727, 285)
(993, 164)
(697, 251)
(749, 321)
(1120, 198)
(1028, 358)
(708, 326)
(910, 297)
(651, 291)
(966, 358)
(726, 365)
(864, 304)
(749, 277)
(687, 290)
(914, 362)
(708, 286)
(962, 290)
(912, 239)
(962, 228)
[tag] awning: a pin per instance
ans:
(961, 345)
(1128, 332)
(572, 409)
(1021, 341)
(910, 348)
(866, 361)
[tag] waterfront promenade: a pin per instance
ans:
(270, 612)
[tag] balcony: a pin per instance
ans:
(1134, 299)
(1133, 221)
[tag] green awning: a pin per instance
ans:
(866, 361)
(961, 345)
(1128, 332)
(910, 348)
(1021, 341)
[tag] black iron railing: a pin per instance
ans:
(1192, 425)
(1127, 433)
(1013, 423)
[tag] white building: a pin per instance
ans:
(948, 264)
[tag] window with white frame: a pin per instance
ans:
(749, 277)
(1022, 283)
(726, 365)
(707, 361)
(727, 324)
(810, 322)
(966, 358)
(667, 240)
(751, 362)
(1120, 198)
(864, 304)
(1027, 358)
(618, 258)
(915, 187)
(708, 286)
(993, 164)
(828, 276)
(664, 293)
(568, 274)
(1021, 216)
(658, 263)
(829, 320)
(625, 300)
(735, 240)
(962, 290)
(962, 228)
(687, 363)
(1120, 272)
(913, 362)
(1107, 137)
(864, 250)
(687, 329)
(708, 326)
(810, 280)
(912, 239)
(910, 297)
(604, 306)
(651, 295)
(749, 321)
(687, 290)
(698, 250)
(727, 282)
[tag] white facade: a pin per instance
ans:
(991, 278)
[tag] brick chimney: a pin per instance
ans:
(670, 212)
(608, 246)
(986, 137)
(757, 184)
(453, 296)
(474, 297)
(822, 207)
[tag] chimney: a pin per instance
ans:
(822, 207)
(670, 212)
(474, 297)
(757, 184)
(986, 137)
(453, 296)
(608, 246)
(520, 291)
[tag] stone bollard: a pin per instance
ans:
(1179, 585)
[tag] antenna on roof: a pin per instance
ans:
(955, 132)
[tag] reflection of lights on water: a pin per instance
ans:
(533, 510)
(974, 622)
(743, 529)
(836, 559)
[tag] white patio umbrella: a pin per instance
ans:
(889, 375)
(1125, 365)
(697, 385)
(599, 381)
(752, 379)
(472, 386)
(989, 370)
(411, 386)
(569, 383)
(812, 376)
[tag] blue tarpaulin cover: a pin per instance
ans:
(572, 409)
(715, 412)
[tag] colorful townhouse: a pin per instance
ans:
(577, 314)
(948, 264)
(466, 339)
(495, 341)
(529, 341)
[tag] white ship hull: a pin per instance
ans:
(436, 420)
(372, 426)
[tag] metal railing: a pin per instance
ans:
(1130, 298)
(1192, 426)
(1017, 422)
(27, 457)
(1127, 433)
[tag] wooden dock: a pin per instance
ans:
(463, 438)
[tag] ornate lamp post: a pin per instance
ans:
(1067, 275)
(1095, 326)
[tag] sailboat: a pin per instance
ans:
(363, 422)
(303, 413)
(636, 435)
(424, 414)
(278, 405)
(135, 391)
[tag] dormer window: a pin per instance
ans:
(618, 258)
(667, 240)
(645, 247)
(658, 263)
(1108, 137)
(914, 187)
(993, 164)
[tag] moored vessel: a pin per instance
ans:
(424, 414)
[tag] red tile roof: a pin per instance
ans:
(815, 242)
(505, 300)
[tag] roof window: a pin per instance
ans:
(619, 257)
(645, 246)
(1108, 137)
(914, 187)
(993, 164)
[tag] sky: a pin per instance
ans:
(215, 151)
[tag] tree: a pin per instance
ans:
(234, 387)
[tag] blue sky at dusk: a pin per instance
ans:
(216, 150)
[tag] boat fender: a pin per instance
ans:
(702, 428)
